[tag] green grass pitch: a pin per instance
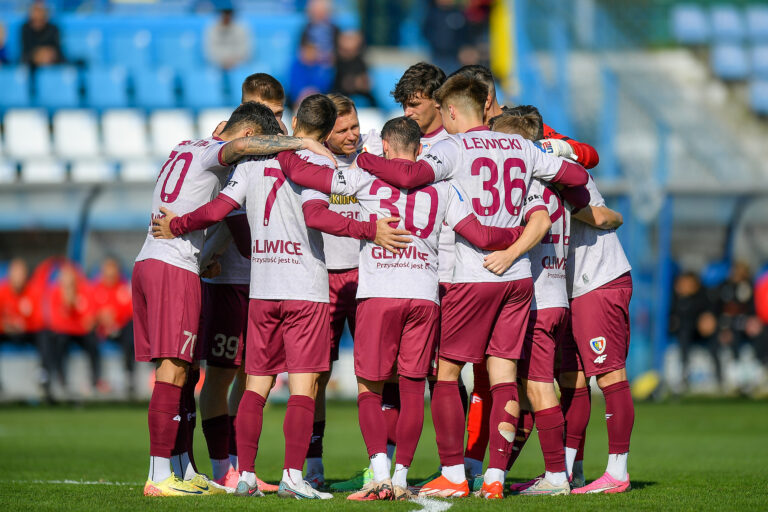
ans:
(693, 455)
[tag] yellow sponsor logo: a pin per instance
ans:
(337, 199)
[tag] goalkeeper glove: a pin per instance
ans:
(558, 147)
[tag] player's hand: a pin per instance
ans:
(161, 226)
(558, 147)
(219, 129)
(316, 147)
(390, 238)
(212, 270)
(499, 262)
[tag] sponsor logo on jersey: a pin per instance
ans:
(430, 156)
(600, 359)
(553, 263)
(379, 253)
(340, 177)
(277, 247)
(338, 199)
(597, 345)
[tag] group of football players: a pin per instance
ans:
(462, 232)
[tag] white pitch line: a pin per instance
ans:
(72, 482)
(432, 505)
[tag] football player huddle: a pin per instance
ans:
(462, 232)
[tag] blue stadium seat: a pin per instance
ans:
(86, 45)
(383, 80)
(757, 23)
(729, 62)
(727, 24)
(155, 88)
(758, 96)
(202, 88)
(14, 82)
(715, 273)
(689, 24)
(236, 76)
(57, 87)
(760, 61)
(276, 40)
(106, 87)
(131, 50)
(179, 51)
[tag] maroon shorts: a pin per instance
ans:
(166, 311)
(442, 289)
(223, 319)
(600, 323)
(395, 337)
(480, 319)
(545, 328)
(342, 291)
(287, 336)
(569, 359)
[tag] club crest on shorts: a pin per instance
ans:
(597, 345)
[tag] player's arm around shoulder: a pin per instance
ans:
(537, 226)
(268, 145)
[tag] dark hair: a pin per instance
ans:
(526, 110)
(422, 78)
(263, 86)
(316, 115)
(256, 115)
(478, 72)
(402, 132)
(469, 91)
(344, 105)
(527, 125)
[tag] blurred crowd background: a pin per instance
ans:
(94, 93)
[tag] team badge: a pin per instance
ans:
(597, 345)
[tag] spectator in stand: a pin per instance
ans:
(445, 31)
(320, 32)
(40, 45)
(3, 48)
(227, 42)
(352, 77)
(309, 75)
(113, 306)
(72, 319)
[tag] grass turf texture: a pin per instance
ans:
(693, 455)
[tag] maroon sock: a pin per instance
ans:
(576, 405)
(500, 449)
(448, 418)
(524, 428)
(411, 420)
(232, 435)
(390, 404)
(550, 426)
(164, 406)
(372, 423)
(315, 450)
(580, 451)
(620, 416)
(297, 429)
(216, 433)
(190, 408)
(250, 418)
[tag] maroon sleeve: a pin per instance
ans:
(577, 197)
(207, 215)
(241, 233)
(487, 237)
(399, 173)
(585, 154)
(571, 175)
(305, 174)
(318, 216)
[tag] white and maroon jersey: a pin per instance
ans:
(342, 252)
(412, 274)
(187, 180)
(446, 254)
(495, 169)
(287, 261)
(548, 257)
(596, 255)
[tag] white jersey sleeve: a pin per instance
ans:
(188, 179)
(444, 158)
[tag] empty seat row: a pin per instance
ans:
(734, 62)
(693, 24)
(52, 171)
(60, 87)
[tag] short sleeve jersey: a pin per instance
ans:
(446, 254)
(596, 255)
(287, 261)
(548, 257)
(187, 180)
(343, 252)
(412, 274)
(495, 169)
